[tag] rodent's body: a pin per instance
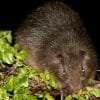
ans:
(57, 41)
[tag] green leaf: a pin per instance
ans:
(49, 97)
(53, 82)
(9, 37)
(10, 84)
(18, 97)
(93, 91)
(22, 90)
(3, 94)
(2, 43)
(32, 72)
(69, 97)
(22, 55)
(7, 57)
(6, 35)
(45, 76)
(17, 47)
(20, 82)
(19, 63)
(23, 72)
(31, 97)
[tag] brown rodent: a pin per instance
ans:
(57, 41)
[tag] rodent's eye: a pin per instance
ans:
(82, 71)
(59, 55)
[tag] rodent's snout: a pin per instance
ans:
(70, 89)
(72, 85)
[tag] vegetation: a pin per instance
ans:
(22, 82)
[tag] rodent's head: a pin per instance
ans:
(72, 62)
(72, 66)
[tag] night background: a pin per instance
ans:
(12, 13)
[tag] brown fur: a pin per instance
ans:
(57, 41)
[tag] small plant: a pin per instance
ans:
(19, 81)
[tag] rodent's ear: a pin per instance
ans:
(57, 59)
(83, 54)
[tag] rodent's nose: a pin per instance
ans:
(71, 88)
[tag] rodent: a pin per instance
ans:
(57, 40)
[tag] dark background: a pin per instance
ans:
(13, 12)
